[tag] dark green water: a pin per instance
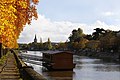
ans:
(86, 69)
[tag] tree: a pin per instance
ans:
(108, 41)
(14, 14)
(62, 46)
(80, 32)
(98, 32)
(76, 34)
(118, 40)
(88, 37)
(82, 43)
(93, 44)
(79, 45)
(48, 45)
(73, 36)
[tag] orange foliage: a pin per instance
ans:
(14, 14)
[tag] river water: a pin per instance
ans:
(86, 69)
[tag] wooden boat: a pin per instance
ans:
(58, 60)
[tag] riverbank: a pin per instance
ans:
(106, 56)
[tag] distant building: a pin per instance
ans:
(35, 39)
(34, 44)
(40, 40)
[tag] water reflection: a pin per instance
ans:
(86, 69)
(53, 75)
(107, 68)
(96, 64)
(59, 75)
(36, 53)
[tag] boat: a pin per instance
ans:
(58, 60)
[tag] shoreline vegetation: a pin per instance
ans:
(105, 56)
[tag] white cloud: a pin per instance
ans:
(57, 31)
(99, 24)
(108, 13)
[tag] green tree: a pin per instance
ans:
(88, 37)
(118, 41)
(76, 34)
(93, 44)
(48, 45)
(108, 41)
(79, 45)
(98, 33)
(62, 46)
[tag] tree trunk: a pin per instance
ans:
(0, 50)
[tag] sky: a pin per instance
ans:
(57, 19)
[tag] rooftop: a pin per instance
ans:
(55, 52)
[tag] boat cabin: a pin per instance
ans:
(58, 60)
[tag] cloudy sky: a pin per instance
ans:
(57, 18)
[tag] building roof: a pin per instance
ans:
(55, 52)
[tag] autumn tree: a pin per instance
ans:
(14, 15)
(62, 46)
(80, 45)
(93, 44)
(108, 41)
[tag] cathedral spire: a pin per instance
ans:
(35, 39)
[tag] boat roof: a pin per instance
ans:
(55, 52)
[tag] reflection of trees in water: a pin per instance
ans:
(107, 68)
(97, 64)
(78, 67)
(35, 52)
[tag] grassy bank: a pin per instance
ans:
(3, 59)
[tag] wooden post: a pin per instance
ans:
(0, 50)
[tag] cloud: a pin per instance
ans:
(99, 24)
(108, 14)
(57, 30)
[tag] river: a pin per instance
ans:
(86, 69)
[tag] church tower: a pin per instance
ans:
(40, 40)
(35, 39)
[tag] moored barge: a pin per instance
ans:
(58, 60)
